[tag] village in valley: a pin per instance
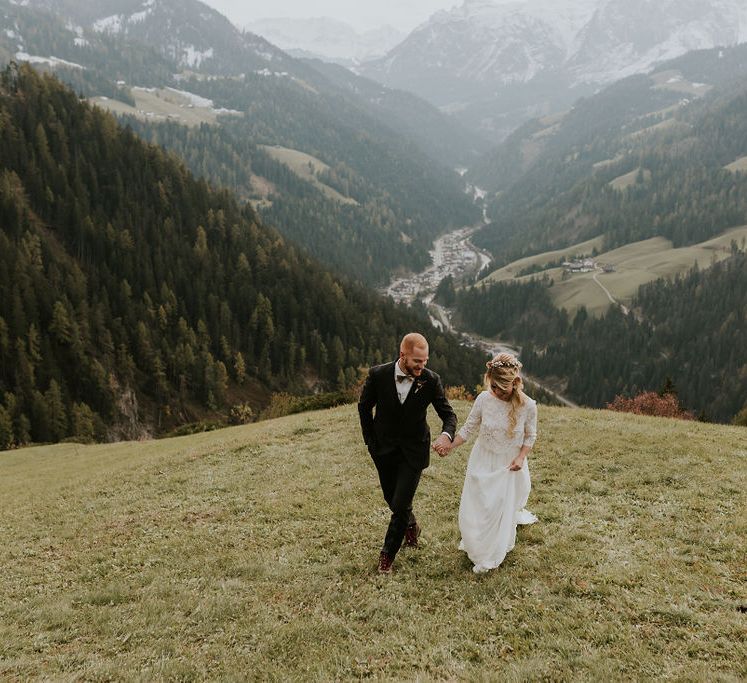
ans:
(586, 265)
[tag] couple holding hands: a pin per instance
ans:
(392, 409)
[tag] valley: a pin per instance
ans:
(206, 241)
(308, 166)
(630, 267)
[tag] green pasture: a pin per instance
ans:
(160, 104)
(250, 554)
(627, 180)
(306, 167)
(740, 165)
(635, 264)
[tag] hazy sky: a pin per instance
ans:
(403, 14)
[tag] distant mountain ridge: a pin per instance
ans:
(495, 65)
(553, 182)
(327, 39)
(388, 154)
(135, 298)
(189, 32)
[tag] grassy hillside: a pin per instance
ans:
(250, 553)
(307, 167)
(642, 158)
(635, 264)
(162, 104)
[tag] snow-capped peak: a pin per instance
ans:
(327, 38)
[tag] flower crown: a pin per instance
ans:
(513, 364)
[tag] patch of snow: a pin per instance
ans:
(277, 74)
(194, 57)
(195, 100)
(112, 24)
(77, 30)
(231, 112)
(147, 8)
(51, 61)
(11, 34)
(80, 42)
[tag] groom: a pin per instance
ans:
(397, 436)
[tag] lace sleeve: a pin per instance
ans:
(530, 425)
(473, 420)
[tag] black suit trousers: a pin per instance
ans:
(399, 481)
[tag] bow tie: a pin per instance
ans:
(405, 378)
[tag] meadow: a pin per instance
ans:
(307, 167)
(250, 554)
(635, 264)
(161, 104)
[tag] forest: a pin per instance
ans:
(690, 331)
(675, 148)
(134, 298)
(404, 196)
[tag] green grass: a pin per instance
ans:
(510, 271)
(674, 80)
(249, 553)
(306, 167)
(159, 105)
(738, 166)
(635, 264)
(627, 180)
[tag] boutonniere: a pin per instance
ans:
(419, 384)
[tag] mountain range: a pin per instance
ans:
(556, 180)
(495, 65)
(618, 232)
(135, 298)
(328, 39)
(381, 184)
(123, 259)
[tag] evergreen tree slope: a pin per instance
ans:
(691, 331)
(559, 181)
(133, 297)
(388, 151)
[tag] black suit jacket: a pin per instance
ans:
(402, 426)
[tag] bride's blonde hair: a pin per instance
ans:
(503, 372)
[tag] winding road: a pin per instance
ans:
(607, 292)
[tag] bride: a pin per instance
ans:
(496, 485)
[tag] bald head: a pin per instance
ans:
(411, 341)
(413, 354)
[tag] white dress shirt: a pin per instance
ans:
(403, 387)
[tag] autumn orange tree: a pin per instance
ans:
(651, 403)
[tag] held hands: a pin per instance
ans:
(443, 445)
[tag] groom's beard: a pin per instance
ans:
(412, 371)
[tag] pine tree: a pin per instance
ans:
(58, 422)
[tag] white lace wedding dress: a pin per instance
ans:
(493, 497)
